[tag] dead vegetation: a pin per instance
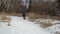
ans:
(43, 9)
(4, 18)
(36, 10)
(44, 23)
(11, 14)
(33, 16)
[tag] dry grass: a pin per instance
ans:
(11, 14)
(46, 24)
(33, 16)
(4, 19)
(37, 16)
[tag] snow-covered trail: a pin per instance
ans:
(20, 26)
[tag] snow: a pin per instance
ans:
(20, 26)
(54, 29)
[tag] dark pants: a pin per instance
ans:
(24, 13)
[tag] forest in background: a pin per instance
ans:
(39, 7)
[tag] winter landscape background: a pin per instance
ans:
(42, 17)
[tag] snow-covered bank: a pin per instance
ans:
(54, 29)
(20, 26)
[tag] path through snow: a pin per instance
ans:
(20, 26)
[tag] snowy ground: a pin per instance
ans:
(20, 26)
